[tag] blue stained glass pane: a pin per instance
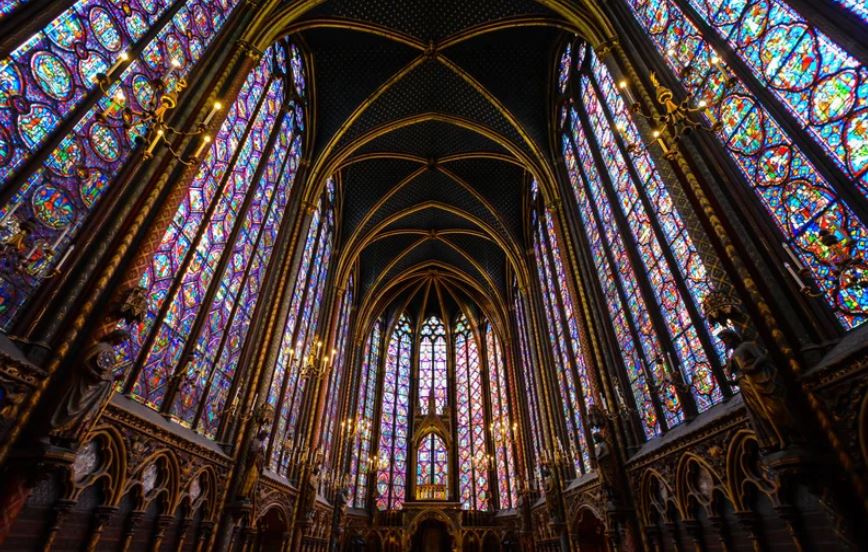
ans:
(40, 83)
(394, 421)
(473, 460)
(802, 204)
(205, 254)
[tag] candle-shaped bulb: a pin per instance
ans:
(119, 96)
(155, 141)
(217, 106)
(656, 133)
(175, 63)
(205, 141)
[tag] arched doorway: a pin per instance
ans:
(590, 532)
(432, 536)
(271, 531)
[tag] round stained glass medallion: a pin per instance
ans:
(104, 142)
(51, 74)
(136, 25)
(92, 65)
(52, 206)
(36, 124)
(203, 23)
(92, 187)
(66, 158)
(856, 138)
(834, 97)
(66, 31)
(790, 60)
(104, 29)
(149, 6)
(10, 83)
(143, 90)
(175, 49)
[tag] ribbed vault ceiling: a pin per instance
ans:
(429, 113)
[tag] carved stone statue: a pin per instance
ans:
(310, 491)
(762, 390)
(88, 385)
(254, 463)
(603, 450)
(764, 395)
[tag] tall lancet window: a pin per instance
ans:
(527, 374)
(362, 461)
(300, 346)
(433, 381)
(793, 113)
(63, 142)
(563, 333)
(649, 269)
(340, 370)
(394, 418)
(205, 277)
(503, 430)
(432, 467)
(473, 458)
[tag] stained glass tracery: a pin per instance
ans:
(626, 208)
(433, 380)
(362, 461)
(45, 81)
(299, 343)
(204, 278)
(341, 358)
(394, 418)
(473, 457)
(503, 431)
(563, 336)
(432, 463)
(527, 373)
(814, 80)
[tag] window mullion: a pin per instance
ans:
(246, 276)
(287, 376)
(671, 263)
(636, 265)
(571, 358)
(553, 320)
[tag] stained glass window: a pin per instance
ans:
(473, 458)
(340, 359)
(563, 336)
(49, 79)
(527, 374)
(204, 279)
(300, 346)
(823, 97)
(813, 77)
(394, 418)
(648, 265)
(502, 429)
(432, 366)
(432, 463)
(362, 461)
